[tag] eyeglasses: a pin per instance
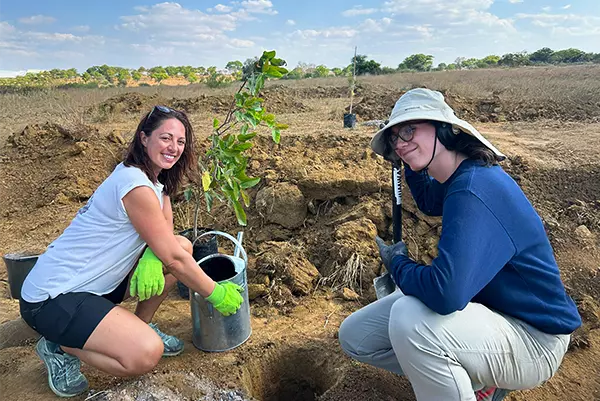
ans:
(406, 133)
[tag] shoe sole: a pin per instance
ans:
(170, 354)
(58, 393)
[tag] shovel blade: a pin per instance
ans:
(384, 285)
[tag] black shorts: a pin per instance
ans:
(69, 319)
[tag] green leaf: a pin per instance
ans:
(268, 55)
(245, 198)
(260, 82)
(269, 118)
(276, 135)
(281, 126)
(245, 137)
(239, 212)
(249, 183)
(278, 62)
(209, 200)
(244, 130)
(272, 72)
(188, 193)
(242, 146)
(236, 190)
(215, 123)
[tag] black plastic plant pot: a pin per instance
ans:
(203, 247)
(349, 120)
(18, 266)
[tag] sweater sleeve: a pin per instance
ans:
(473, 248)
(427, 192)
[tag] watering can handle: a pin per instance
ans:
(229, 237)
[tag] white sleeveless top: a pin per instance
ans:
(98, 249)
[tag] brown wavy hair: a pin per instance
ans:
(137, 156)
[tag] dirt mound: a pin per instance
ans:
(377, 102)
(280, 101)
(316, 92)
(202, 103)
(128, 104)
(49, 169)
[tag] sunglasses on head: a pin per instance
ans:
(162, 109)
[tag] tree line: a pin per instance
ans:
(105, 75)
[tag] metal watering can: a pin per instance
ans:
(212, 331)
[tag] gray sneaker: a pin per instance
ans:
(173, 345)
(64, 375)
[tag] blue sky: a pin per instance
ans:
(43, 34)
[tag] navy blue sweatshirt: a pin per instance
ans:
(493, 250)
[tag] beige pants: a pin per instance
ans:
(449, 357)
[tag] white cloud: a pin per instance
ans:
(81, 28)
(171, 20)
(358, 10)
(222, 8)
(546, 9)
(258, 7)
(241, 43)
(54, 37)
(37, 19)
(435, 6)
(564, 24)
(6, 28)
(290, 22)
(328, 33)
(566, 7)
(515, 1)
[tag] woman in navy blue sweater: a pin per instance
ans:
(490, 313)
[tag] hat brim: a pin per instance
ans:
(378, 142)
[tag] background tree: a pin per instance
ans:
(364, 66)
(543, 55)
(417, 62)
(320, 71)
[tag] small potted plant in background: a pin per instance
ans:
(223, 165)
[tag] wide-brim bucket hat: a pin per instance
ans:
(424, 104)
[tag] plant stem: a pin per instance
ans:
(232, 108)
(353, 80)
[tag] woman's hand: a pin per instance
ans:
(388, 252)
(148, 279)
(226, 298)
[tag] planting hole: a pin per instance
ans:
(292, 374)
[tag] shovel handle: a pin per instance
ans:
(397, 201)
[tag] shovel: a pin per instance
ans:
(384, 284)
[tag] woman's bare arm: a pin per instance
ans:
(143, 209)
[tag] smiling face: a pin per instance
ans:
(417, 151)
(165, 144)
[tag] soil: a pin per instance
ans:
(310, 265)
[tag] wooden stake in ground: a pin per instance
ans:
(353, 80)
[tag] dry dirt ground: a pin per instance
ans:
(310, 238)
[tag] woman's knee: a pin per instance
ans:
(407, 316)
(347, 335)
(144, 357)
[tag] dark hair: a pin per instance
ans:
(464, 143)
(137, 156)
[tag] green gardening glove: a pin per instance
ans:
(226, 298)
(148, 279)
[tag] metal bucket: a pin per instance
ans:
(212, 331)
(18, 266)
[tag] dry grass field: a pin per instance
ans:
(57, 146)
